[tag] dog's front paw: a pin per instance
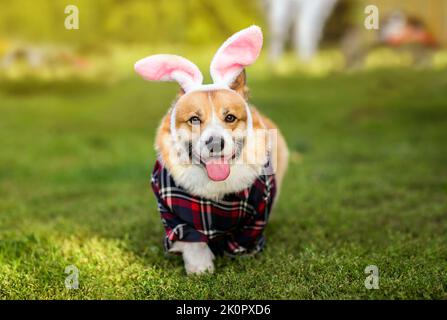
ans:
(198, 258)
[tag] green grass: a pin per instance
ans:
(367, 184)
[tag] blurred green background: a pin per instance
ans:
(37, 51)
(366, 123)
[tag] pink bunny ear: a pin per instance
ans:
(167, 67)
(240, 50)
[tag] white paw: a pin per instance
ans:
(199, 267)
(198, 257)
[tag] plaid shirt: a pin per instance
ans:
(233, 225)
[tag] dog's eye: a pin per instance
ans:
(230, 118)
(195, 120)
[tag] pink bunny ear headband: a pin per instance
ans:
(240, 50)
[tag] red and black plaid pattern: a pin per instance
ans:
(233, 225)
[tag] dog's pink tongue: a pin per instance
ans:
(217, 169)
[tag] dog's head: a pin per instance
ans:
(206, 141)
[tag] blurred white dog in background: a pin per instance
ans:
(306, 17)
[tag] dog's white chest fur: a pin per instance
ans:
(195, 180)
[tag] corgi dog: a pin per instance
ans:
(220, 162)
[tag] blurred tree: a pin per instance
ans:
(148, 21)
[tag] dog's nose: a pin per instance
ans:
(215, 144)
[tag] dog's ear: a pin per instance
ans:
(167, 67)
(237, 52)
(180, 93)
(240, 85)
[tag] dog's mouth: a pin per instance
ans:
(217, 167)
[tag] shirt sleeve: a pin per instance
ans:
(249, 239)
(175, 227)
